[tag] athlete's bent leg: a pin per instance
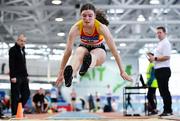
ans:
(86, 63)
(71, 70)
(98, 57)
(78, 58)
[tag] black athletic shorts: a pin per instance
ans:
(89, 47)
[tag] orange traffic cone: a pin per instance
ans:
(19, 113)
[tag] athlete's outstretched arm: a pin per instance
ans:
(70, 41)
(111, 44)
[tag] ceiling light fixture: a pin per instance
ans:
(56, 2)
(122, 44)
(140, 18)
(154, 2)
(59, 19)
(115, 11)
(61, 34)
(62, 44)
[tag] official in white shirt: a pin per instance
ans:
(161, 59)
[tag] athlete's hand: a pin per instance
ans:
(59, 79)
(125, 76)
(13, 80)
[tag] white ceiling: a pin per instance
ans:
(36, 18)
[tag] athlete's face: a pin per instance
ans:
(88, 17)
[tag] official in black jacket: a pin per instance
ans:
(18, 74)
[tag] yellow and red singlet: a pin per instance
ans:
(93, 39)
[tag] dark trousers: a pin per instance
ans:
(19, 92)
(162, 75)
(151, 96)
(128, 104)
(109, 102)
(1, 109)
(40, 106)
